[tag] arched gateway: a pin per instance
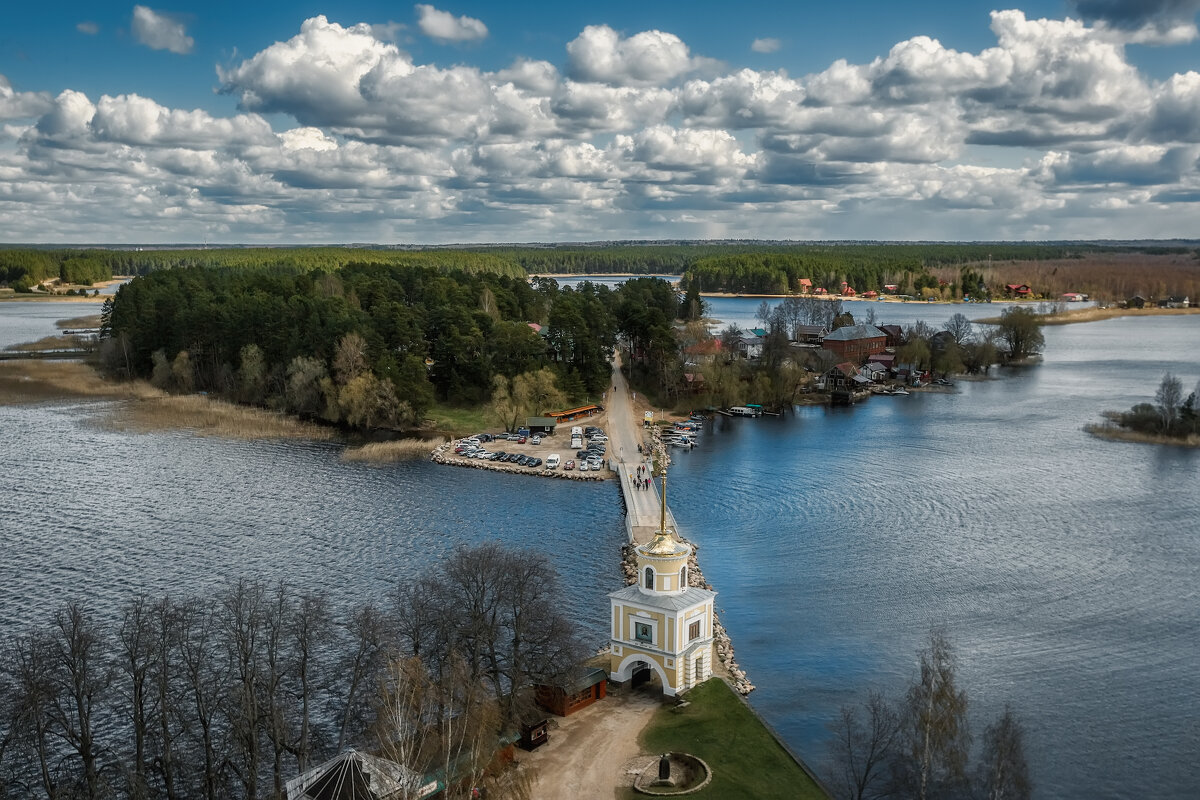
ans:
(660, 621)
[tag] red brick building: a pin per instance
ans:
(856, 342)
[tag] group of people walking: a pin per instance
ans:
(642, 481)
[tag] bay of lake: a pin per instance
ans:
(1064, 568)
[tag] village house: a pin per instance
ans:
(1174, 301)
(749, 346)
(856, 342)
(1018, 290)
(810, 334)
(894, 333)
(1137, 301)
(702, 352)
(1074, 297)
(884, 360)
(874, 372)
(693, 382)
(805, 286)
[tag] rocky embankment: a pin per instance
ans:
(721, 642)
(444, 454)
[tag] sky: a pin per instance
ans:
(367, 122)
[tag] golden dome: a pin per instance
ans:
(663, 544)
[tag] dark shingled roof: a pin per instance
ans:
(852, 332)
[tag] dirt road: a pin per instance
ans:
(589, 753)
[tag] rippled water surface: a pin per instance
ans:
(1064, 567)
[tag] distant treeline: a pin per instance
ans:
(142, 262)
(24, 269)
(945, 268)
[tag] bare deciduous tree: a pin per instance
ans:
(1004, 775)
(865, 741)
(936, 738)
(1169, 400)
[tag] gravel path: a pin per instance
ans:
(594, 751)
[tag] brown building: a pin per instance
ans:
(575, 693)
(856, 342)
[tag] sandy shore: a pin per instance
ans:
(1096, 314)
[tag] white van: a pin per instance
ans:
(552, 461)
(577, 431)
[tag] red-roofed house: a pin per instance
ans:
(1018, 290)
(805, 286)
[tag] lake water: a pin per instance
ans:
(1063, 567)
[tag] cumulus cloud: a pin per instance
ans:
(88, 28)
(601, 55)
(160, 30)
(443, 26)
(1153, 22)
(634, 135)
(768, 44)
(21, 105)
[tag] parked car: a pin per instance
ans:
(521, 440)
(536, 440)
(583, 467)
(534, 462)
(552, 461)
(569, 465)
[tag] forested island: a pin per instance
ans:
(1173, 417)
(378, 338)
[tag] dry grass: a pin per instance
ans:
(146, 408)
(36, 297)
(1096, 314)
(59, 342)
(206, 416)
(90, 321)
(1118, 434)
(34, 381)
(390, 452)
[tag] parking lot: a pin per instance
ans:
(575, 450)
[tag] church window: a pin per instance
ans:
(649, 581)
(643, 632)
(683, 584)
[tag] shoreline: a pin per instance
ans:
(1115, 433)
(1093, 314)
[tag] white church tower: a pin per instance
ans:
(660, 623)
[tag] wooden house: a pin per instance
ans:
(1018, 290)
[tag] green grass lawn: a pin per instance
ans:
(461, 421)
(747, 762)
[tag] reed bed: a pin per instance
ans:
(391, 452)
(34, 381)
(206, 416)
(90, 321)
(146, 408)
(57, 342)
(1118, 434)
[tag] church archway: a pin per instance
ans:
(634, 662)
